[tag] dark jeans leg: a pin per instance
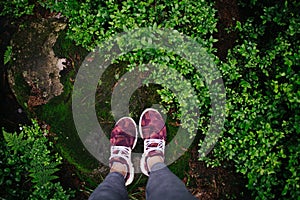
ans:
(163, 184)
(112, 188)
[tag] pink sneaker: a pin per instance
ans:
(153, 130)
(123, 139)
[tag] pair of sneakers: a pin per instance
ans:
(124, 136)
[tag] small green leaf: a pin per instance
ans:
(7, 54)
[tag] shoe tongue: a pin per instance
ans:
(123, 141)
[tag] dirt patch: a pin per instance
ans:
(207, 183)
(68, 177)
(228, 15)
(219, 183)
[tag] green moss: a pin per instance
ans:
(58, 111)
(22, 89)
(58, 114)
(181, 166)
(65, 48)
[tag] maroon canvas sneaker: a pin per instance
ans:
(123, 139)
(153, 130)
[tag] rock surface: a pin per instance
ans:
(34, 61)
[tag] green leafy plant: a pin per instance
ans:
(90, 22)
(262, 84)
(29, 156)
(16, 8)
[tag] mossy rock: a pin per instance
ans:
(43, 88)
(35, 62)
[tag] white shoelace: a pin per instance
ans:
(160, 145)
(121, 151)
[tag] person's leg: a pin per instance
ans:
(123, 139)
(112, 188)
(162, 183)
